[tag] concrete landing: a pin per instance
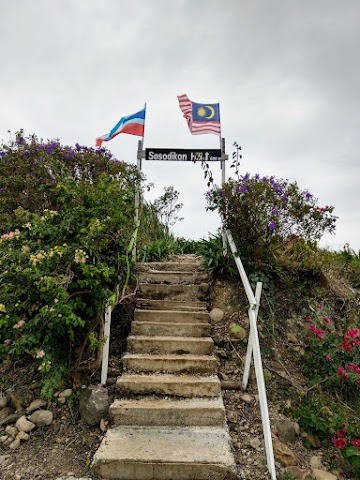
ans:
(165, 453)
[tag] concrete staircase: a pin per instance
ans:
(168, 422)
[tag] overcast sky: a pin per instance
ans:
(286, 74)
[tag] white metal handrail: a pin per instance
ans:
(253, 350)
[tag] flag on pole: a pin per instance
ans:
(201, 117)
(133, 124)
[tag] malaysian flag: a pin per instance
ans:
(201, 117)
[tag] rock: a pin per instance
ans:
(103, 425)
(247, 398)
(11, 431)
(5, 412)
(15, 444)
(4, 400)
(3, 439)
(312, 439)
(285, 429)
(283, 454)
(255, 443)
(223, 376)
(62, 400)
(237, 332)
(316, 462)
(9, 419)
(35, 405)
(323, 475)
(42, 418)
(66, 393)
(23, 425)
(297, 428)
(232, 417)
(94, 404)
(5, 460)
(216, 315)
(20, 397)
(23, 436)
(299, 473)
(291, 338)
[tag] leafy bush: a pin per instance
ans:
(69, 221)
(213, 258)
(262, 212)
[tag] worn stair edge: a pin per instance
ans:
(168, 266)
(174, 412)
(170, 329)
(173, 292)
(169, 384)
(173, 278)
(169, 345)
(170, 363)
(171, 316)
(178, 305)
(163, 453)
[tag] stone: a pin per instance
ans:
(24, 425)
(216, 315)
(312, 439)
(299, 473)
(5, 412)
(239, 333)
(232, 417)
(20, 397)
(255, 443)
(66, 393)
(4, 400)
(62, 400)
(297, 428)
(11, 431)
(94, 404)
(23, 436)
(9, 419)
(291, 338)
(42, 418)
(283, 454)
(285, 429)
(247, 398)
(35, 405)
(316, 462)
(5, 460)
(103, 425)
(323, 475)
(3, 439)
(15, 444)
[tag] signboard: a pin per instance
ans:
(183, 155)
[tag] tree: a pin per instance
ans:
(167, 208)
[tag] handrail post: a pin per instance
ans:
(105, 352)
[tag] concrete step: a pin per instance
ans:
(169, 345)
(170, 363)
(174, 412)
(163, 453)
(171, 329)
(185, 266)
(165, 384)
(173, 292)
(171, 316)
(186, 306)
(170, 277)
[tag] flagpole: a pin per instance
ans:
(222, 149)
(137, 192)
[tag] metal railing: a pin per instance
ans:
(253, 351)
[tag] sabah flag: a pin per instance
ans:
(133, 124)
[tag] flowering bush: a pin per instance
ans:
(333, 358)
(263, 211)
(64, 252)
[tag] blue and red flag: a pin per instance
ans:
(201, 117)
(132, 124)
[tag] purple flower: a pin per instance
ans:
(271, 226)
(243, 189)
(308, 195)
(27, 200)
(2, 190)
(2, 154)
(257, 176)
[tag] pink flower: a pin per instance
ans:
(56, 300)
(320, 307)
(309, 319)
(340, 371)
(328, 357)
(19, 324)
(326, 320)
(40, 354)
(339, 443)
